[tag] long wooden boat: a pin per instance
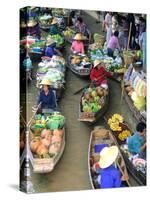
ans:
(82, 72)
(92, 117)
(48, 163)
(133, 109)
(102, 136)
(137, 175)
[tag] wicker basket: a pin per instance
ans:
(128, 59)
(100, 39)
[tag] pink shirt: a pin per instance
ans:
(77, 46)
(113, 43)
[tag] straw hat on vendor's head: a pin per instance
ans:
(79, 36)
(49, 41)
(54, 21)
(31, 23)
(46, 82)
(108, 156)
(96, 63)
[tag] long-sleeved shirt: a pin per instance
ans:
(110, 177)
(47, 101)
(50, 51)
(81, 27)
(99, 74)
(135, 142)
(113, 43)
(77, 46)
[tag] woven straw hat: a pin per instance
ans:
(79, 36)
(54, 21)
(45, 82)
(31, 23)
(108, 156)
(49, 41)
(96, 62)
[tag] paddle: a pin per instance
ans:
(122, 82)
(87, 85)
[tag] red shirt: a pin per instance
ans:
(99, 74)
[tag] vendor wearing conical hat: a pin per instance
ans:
(50, 49)
(54, 27)
(77, 44)
(47, 96)
(110, 175)
(99, 74)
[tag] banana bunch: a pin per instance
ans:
(68, 33)
(124, 134)
(114, 122)
(121, 70)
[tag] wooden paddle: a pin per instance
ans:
(122, 82)
(87, 85)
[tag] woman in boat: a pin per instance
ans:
(110, 176)
(54, 27)
(113, 44)
(99, 74)
(47, 96)
(50, 50)
(137, 142)
(80, 26)
(77, 45)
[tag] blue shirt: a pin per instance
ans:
(110, 177)
(50, 51)
(135, 142)
(47, 101)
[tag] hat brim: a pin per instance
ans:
(107, 159)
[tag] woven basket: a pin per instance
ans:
(128, 59)
(99, 39)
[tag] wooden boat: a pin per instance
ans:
(133, 109)
(82, 72)
(138, 176)
(48, 163)
(90, 116)
(102, 136)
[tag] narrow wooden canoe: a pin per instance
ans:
(98, 137)
(137, 175)
(46, 165)
(134, 110)
(82, 73)
(93, 117)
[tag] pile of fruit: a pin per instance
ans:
(45, 20)
(124, 134)
(79, 60)
(69, 33)
(93, 99)
(58, 39)
(48, 141)
(114, 122)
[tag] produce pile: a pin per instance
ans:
(68, 33)
(47, 137)
(38, 46)
(60, 12)
(58, 39)
(45, 20)
(111, 65)
(53, 70)
(93, 99)
(80, 61)
(118, 127)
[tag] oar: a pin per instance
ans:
(122, 82)
(86, 85)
